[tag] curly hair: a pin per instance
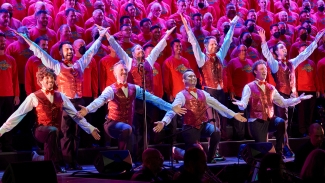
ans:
(42, 72)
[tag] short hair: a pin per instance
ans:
(41, 12)
(174, 41)
(67, 11)
(275, 47)
(207, 14)
(242, 35)
(3, 10)
(255, 64)
(187, 70)
(124, 17)
(179, 1)
(230, 4)
(2, 35)
(127, 6)
(42, 72)
(154, 27)
(148, 46)
(133, 48)
(302, 12)
(207, 39)
(274, 25)
(248, 20)
(97, 11)
(144, 20)
(196, 15)
(123, 25)
(41, 38)
(251, 11)
(63, 43)
(301, 28)
(306, 21)
(118, 63)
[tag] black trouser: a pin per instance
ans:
(71, 139)
(259, 130)
(120, 131)
(285, 115)
(87, 140)
(50, 135)
(192, 136)
(239, 127)
(306, 112)
(7, 107)
(221, 97)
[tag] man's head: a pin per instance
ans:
(201, 4)
(43, 42)
(225, 27)
(155, 32)
(65, 32)
(245, 38)
(137, 52)
(145, 25)
(70, 3)
(306, 5)
(125, 20)
(130, 9)
(260, 70)
(283, 16)
(216, 33)
(46, 78)
(320, 5)
(156, 10)
(126, 30)
(189, 78)
(195, 161)
(120, 71)
(2, 41)
(304, 15)
(250, 25)
(302, 33)
(99, 5)
(9, 7)
(302, 47)
(147, 49)
(42, 18)
(66, 50)
(181, 6)
(4, 18)
(153, 160)
(280, 50)
(307, 25)
(286, 4)
(79, 46)
(242, 51)
(98, 16)
(231, 11)
(282, 28)
(70, 14)
(263, 4)
(210, 44)
(197, 20)
(274, 30)
(176, 47)
(208, 19)
(252, 15)
(316, 134)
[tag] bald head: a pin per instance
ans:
(316, 134)
(7, 6)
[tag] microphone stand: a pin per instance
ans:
(141, 71)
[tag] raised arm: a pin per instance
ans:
(222, 53)
(47, 60)
(154, 54)
(199, 55)
(271, 61)
(307, 52)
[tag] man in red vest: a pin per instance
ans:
(197, 102)
(49, 106)
(258, 97)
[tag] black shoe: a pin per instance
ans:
(61, 170)
(74, 167)
(219, 157)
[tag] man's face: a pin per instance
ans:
(190, 79)
(70, 3)
(286, 4)
(208, 20)
(251, 23)
(99, 5)
(4, 19)
(282, 27)
(251, 15)
(44, 45)
(242, 51)
(274, 29)
(127, 21)
(212, 46)
(146, 27)
(316, 136)
(320, 3)
(304, 17)
(67, 52)
(43, 20)
(284, 17)
(72, 18)
(148, 51)
(231, 11)
(47, 82)
(98, 17)
(263, 4)
(2, 43)
(197, 21)
(181, 7)
(138, 52)
(157, 11)
(131, 11)
(177, 48)
(121, 73)
(66, 32)
(302, 31)
(261, 72)
(246, 36)
(282, 50)
(156, 33)
(306, 25)
(78, 44)
(126, 31)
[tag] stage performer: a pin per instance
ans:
(258, 97)
(49, 106)
(196, 102)
(70, 77)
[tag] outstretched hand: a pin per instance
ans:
(159, 126)
(237, 102)
(319, 35)
(83, 111)
(95, 134)
(187, 27)
(261, 33)
(305, 97)
(179, 110)
(239, 117)
(234, 21)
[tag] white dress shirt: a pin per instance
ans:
(212, 102)
(31, 101)
(277, 99)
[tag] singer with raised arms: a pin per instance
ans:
(121, 96)
(70, 83)
(258, 97)
(196, 102)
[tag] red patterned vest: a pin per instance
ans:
(70, 80)
(196, 109)
(212, 73)
(260, 104)
(49, 114)
(121, 108)
(135, 77)
(285, 79)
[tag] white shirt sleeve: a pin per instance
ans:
(160, 103)
(303, 55)
(272, 63)
(215, 104)
(107, 95)
(120, 52)
(245, 97)
(179, 100)
(154, 54)
(282, 102)
(199, 55)
(86, 58)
